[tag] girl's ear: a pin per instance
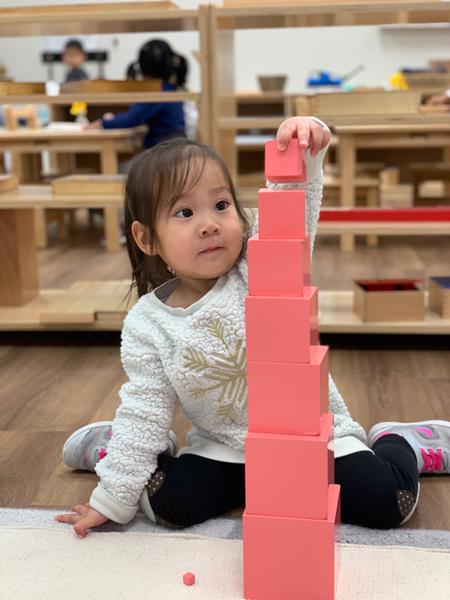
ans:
(142, 238)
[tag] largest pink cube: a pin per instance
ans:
(275, 267)
(288, 475)
(291, 559)
(288, 397)
(278, 328)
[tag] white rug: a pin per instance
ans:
(49, 564)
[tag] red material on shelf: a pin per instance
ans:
(436, 213)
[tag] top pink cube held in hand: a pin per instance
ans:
(284, 166)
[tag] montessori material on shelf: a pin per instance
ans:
(439, 295)
(389, 300)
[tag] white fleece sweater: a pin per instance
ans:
(196, 355)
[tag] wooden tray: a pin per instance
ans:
(359, 103)
(14, 88)
(8, 183)
(102, 86)
(92, 185)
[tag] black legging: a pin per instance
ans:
(377, 490)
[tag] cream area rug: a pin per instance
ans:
(49, 564)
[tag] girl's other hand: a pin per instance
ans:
(93, 125)
(83, 518)
(108, 116)
(309, 133)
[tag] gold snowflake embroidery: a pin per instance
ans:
(226, 372)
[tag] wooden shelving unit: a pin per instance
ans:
(99, 305)
(101, 18)
(336, 315)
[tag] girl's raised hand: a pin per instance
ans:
(308, 131)
(83, 518)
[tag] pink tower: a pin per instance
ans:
(292, 504)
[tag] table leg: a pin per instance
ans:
(347, 167)
(18, 257)
(372, 202)
(109, 166)
(446, 158)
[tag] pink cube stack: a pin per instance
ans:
(292, 504)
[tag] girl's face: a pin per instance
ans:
(201, 236)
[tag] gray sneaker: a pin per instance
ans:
(430, 441)
(87, 445)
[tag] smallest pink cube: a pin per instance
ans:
(286, 165)
(189, 578)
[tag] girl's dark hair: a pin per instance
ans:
(157, 178)
(157, 60)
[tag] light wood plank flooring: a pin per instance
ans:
(52, 384)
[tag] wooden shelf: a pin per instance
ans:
(323, 13)
(362, 228)
(100, 18)
(41, 196)
(99, 99)
(336, 316)
(100, 306)
(234, 123)
(86, 305)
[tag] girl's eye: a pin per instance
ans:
(222, 204)
(184, 213)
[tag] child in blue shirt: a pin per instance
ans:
(165, 120)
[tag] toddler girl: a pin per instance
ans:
(185, 340)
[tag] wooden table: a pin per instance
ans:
(415, 131)
(18, 256)
(108, 143)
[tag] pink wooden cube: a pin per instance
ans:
(314, 338)
(189, 578)
(278, 328)
(286, 165)
(291, 559)
(288, 398)
(307, 261)
(275, 267)
(281, 214)
(288, 475)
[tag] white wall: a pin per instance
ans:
(294, 52)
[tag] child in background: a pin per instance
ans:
(185, 339)
(165, 120)
(74, 57)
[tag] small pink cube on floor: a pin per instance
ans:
(189, 578)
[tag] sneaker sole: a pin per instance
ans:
(376, 429)
(66, 454)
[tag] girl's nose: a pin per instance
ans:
(208, 229)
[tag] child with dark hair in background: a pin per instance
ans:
(165, 120)
(74, 57)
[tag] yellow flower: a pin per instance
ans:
(78, 108)
(398, 81)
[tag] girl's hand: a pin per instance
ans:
(108, 116)
(93, 125)
(309, 133)
(85, 518)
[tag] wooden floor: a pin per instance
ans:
(55, 383)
